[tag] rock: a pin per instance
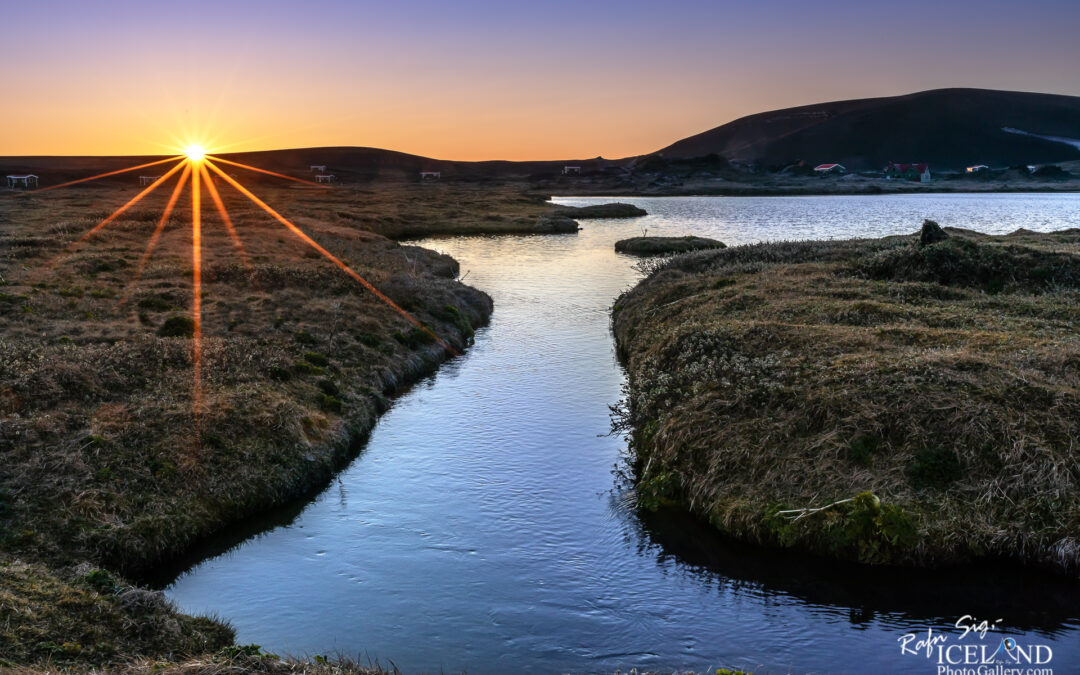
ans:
(931, 233)
(614, 210)
(660, 245)
(553, 223)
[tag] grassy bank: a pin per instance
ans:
(111, 466)
(887, 401)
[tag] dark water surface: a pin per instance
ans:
(485, 526)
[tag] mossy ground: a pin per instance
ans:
(929, 394)
(106, 458)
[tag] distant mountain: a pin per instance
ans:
(949, 128)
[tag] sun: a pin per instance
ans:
(198, 169)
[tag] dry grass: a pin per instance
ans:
(100, 457)
(936, 388)
(404, 210)
(219, 664)
(85, 615)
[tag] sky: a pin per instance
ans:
(488, 80)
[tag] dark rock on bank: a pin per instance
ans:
(614, 210)
(660, 245)
(931, 233)
(555, 223)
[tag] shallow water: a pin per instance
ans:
(485, 526)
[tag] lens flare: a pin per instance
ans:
(157, 232)
(332, 258)
(198, 171)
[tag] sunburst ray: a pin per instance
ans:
(106, 175)
(331, 257)
(158, 230)
(265, 171)
(224, 213)
(196, 302)
(131, 202)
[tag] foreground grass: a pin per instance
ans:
(108, 464)
(229, 660)
(884, 401)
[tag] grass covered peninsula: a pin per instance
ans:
(110, 465)
(911, 400)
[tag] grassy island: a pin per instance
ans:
(911, 400)
(646, 246)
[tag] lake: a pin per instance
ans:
(488, 526)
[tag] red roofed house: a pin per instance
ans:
(829, 168)
(919, 172)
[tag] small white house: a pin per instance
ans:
(319, 168)
(978, 168)
(571, 171)
(325, 178)
(25, 182)
(430, 175)
(146, 180)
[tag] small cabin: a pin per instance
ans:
(327, 178)
(914, 172)
(571, 171)
(25, 182)
(978, 168)
(430, 175)
(147, 180)
(825, 169)
(318, 168)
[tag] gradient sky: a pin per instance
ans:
(484, 80)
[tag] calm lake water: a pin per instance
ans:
(486, 527)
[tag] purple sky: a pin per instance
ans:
(479, 80)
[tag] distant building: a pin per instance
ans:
(325, 178)
(915, 172)
(320, 168)
(25, 182)
(571, 171)
(830, 168)
(146, 180)
(978, 168)
(430, 175)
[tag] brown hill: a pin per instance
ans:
(949, 128)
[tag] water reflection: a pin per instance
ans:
(481, 528)
(902, 597)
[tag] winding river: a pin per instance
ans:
(487, 525)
